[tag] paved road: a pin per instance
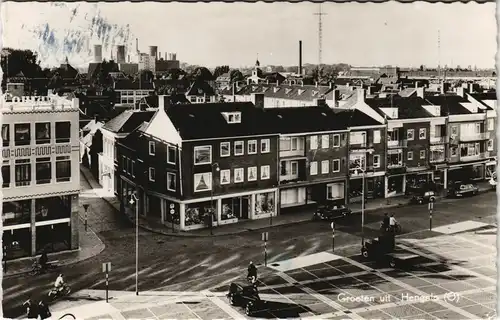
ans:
(169, 262)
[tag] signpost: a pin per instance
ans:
(333, 236)
(431, 207)
(265, 238)
(172, 213)
(106, 267)
(86, 207)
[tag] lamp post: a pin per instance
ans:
(216, 168)
(363, 170)
(135, 200)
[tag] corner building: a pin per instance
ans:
(40, 175)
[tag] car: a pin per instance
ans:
(461, 189)
(245, 295)
(330, 211)
(421, 196)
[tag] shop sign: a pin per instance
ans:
(38, 151)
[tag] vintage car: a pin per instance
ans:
(246, 295)
(330, 211)
(461, 189)
(422, 195)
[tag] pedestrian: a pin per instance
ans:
(43, 310)
(386, 222)
(252, 272)
(392, 223)
(31, 311)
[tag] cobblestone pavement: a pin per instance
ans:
(451, 276)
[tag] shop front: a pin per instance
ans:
(195, 214)
(374, 188)
(465, 173)
(234, 209)
(490, 169)
(265, 205)
(17, 242)
(53, 237)
(395, 185)
(417, 180)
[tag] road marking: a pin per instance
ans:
(226, 308)
(410, 288)
(460, 227)
(477, 243)
(304, 261)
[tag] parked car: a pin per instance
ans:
(461, 189)
(420, 196)
(330, 211)
(245, 295)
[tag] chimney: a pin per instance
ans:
(258, 100)
(471, 87)
(316, 84)
(235, 89)
(331, 85)
(320, 102)
(421, 92)
(416, 84)
(360, 94)
(369, 91)
(163, 102)
(300, 57)
(137, 45)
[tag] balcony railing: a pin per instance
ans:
(395, 165)
(473, 137)
(397, 143)
(439, 140)
(437, 160)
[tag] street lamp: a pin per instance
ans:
(216, 168)
(363, 170)
(135, 200)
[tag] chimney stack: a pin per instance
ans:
(258, 100)
(120, 54)
(137, 45)
(300, 57)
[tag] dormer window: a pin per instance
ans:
(265, 89)
(276, 89)
(315, 93)
(232, 117)
(287, 91)
(254, 88)
(301, 91)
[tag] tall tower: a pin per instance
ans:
(439, 55)
(320, 34)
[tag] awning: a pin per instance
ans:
(491, 163)
(461, 165)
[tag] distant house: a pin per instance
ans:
(129, 92)
(200, 92)
(223, 80)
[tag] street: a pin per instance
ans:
(174, 263)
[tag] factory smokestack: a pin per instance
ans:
(300, 57)
(137, 45)
(120, 54)
(153, 51)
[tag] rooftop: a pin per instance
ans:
(128, 120)
(38, 104)
(408, 107)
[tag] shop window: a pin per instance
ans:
(42, 132)
(63, 169)
(230, 208)
(171, 181)
(63, 132)
(410, 155)
(17, 243)
(6, 135)
(410, 134)
(264, 203)
(225, 176)
(22, 134)
(454, 151)
(6, 174)
(53, 238)
(265, 146)
(238, 148)
(195, 213)
(23, 172)
(43, 170)
(52, 208)
(252, 146)
(16, 212)
(335, 191)
(313, 170)
(225, 149)
(238, 175)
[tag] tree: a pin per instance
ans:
(236, 76)
(175, 74)
(421, 67)
(279, 69)
(220, 70)
(202, 74)
(15, 61)
(167, 90)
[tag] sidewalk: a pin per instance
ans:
(253, 225)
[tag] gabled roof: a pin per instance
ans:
(67, 71)
(128, 120)
(223, 77)
(485, 96)
(354, 118)
(450, 104)
(408, 108)
(408, 92)
(127, 84)
(200, 88)
(205, 120)
(293, 92)
(152, 100)
(307, 119)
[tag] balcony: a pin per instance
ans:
(395, 165)
(437, 160)
(394, 144)
(439, 140)
(480, 156)
(473, 137)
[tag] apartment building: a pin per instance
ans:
(40, 174)
(129, 92)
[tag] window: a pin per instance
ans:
(234, 117)
(43, 170)
(454, 151)
(171, 155)
(295, 144)
(171, 181)
(63, 132)
(23, 172)
(132, 168)
(22, 134)
(285, 144)
(152, 148)
(313, 170)
(336, 140)
(5, 135)
(314, 143)
(376, 136)
(491, 124)
(252, 173)
(294, 168)
(410, 134)
(422, 154)
(238, 175)
(225, 176)
(124, 164)
(336, 165)
(225, 149)
(127, 165)
(490, 145)
(265, 146)
(252, 146)
(325, 141)
(202, 181)
(376, 161)
(421, 133)
(6, 175)
(202, 155)
(238, 148)
(152, 174)
(264, 172)
(325, 168)
(335, 191)
(454, 130)
(410, 155)
(42, 132)
(63, 169)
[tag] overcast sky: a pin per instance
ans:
(218, 33)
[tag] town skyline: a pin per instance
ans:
(72, 29)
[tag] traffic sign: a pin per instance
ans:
(172, 206)
(85, 206)
(431, 205)
(332, 225)
(265, 236)
(172, 211)
(106, 267)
